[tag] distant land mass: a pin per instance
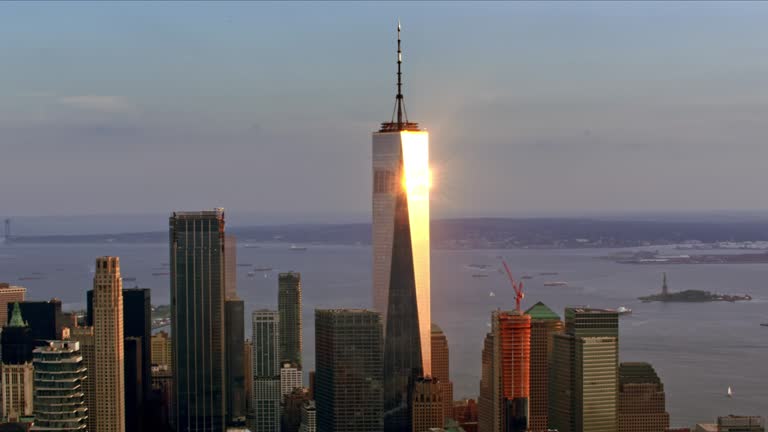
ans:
(477, 233)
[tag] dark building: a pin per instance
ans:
(348, 379)
(289, 307)
(544, 325)
(198, 344)
(290, 417)
(137, 323)
(44, 318)
(236, 398)
(17, 341)
(134, 386)
(642, 403)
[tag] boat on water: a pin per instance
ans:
(492, 294)
(730, 392)
(549, 273)
(623, 310)
(765, 324)
(160, 274)
(526, 277)
(479, 275)
(129, 279)
(26, 278)
(298, 248)
(262, 269)
(555, 284)
(244, 265)
(251, 246)
(251, 274)
(478, 266)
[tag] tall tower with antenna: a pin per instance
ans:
(401, 254)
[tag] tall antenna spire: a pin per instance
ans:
(399, 120)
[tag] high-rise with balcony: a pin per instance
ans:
(85, 337)
(401, 255)
(584, 379)
(265, 406)
(642, 403)
(197, 320)
(348, 379)
(59, 399)
(544, 325)
(289, 306)
(109, 345)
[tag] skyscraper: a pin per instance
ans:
(401, 255)
(739, 423)
(59, 400)
(584, 375)
(9, 295)
(230, 266)
(290, 378)
(235, 313)
(16, 371)
(348, 379)
(308, 417)
(544, 325)
(505, 385)
(441, 368)
(108, 333)
(289, 305)
(248, 373)
(197, 320)
(161, 349)
(44, 319)
(642, 403)
(265, 407)
(428, 406)
(85, 338)
(137, 327)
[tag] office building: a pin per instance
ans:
(9, 294)
(198, 344)
(505, 381)
(291, 407)
(348, 378)
(161, 349)
(428, 405)
(16, 371)
(290, 379)
(230, 267)
(289, 305)
(401, 255)
(59, 399)
(86, 340)
(265, 407)
(108, 333)
(584, 376)
(44, 318)
(441, 368)
(162, 396)
(248, 373)
(465, 414)
(544, 325)
(308, 417)
(235, 313)
(739, 423)
(642, 403)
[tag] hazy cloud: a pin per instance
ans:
(97, 103)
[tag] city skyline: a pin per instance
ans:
(564, 96)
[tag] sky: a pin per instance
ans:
(267, 109)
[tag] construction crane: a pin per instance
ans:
(517, 286)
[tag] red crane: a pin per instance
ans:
(517, 286)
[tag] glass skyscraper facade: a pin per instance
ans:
(197, 320)
(265, 406)
(289, 306)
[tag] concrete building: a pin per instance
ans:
(738, 423)
(401, 256)
(108, 333)
(161, 349)
(236, 405)
(9, 294)
(16, 370)
(87, 342)
(197, 267)
(265, 407)
(428, 405)
(441, 368)
(59, 399)
(348, 378)
(290, 379)
(642, 403)
(308, 417)
(584, 380)
(289, 306)
(544, 325)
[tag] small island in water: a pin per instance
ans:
(691, 296)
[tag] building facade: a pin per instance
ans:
(290, 379)
(59, 399)
(308, 417)
(544, 325)
(584, 375)
(16, 370)
(9, 294)
(235, 313)
(289, 306)
(738, 423)
(642, 403)
(161, 349)
(265, 407)
(348, 376)
(290, 410)
(197, 320)
(44, 318)
(86, 340)
(428, 405)
(108, 334)
(441, 368)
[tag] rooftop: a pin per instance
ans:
(540, 311)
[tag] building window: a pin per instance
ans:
(383, 181)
